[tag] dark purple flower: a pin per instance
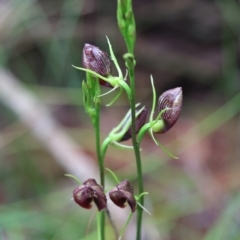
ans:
(122, 194)
(140, 121)
(98, 61)
(171, 99)
(90, 191)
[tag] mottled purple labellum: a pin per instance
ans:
(140, 121)
(170, 99)
(98, 61)
(90, 191)
(122, 194)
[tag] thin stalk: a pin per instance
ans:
(99, 225)
(136, 151)
(113, 224)
(98, 143)
(96, 124)
(125, 226)
(101, 151)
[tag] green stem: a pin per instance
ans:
(136, 148)
(98, 144)
(99, 225)
(125, 226)
(104, 147)
(96, 123)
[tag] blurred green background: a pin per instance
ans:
(190, 43)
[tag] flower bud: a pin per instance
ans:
(122, 194)
(171, 99)
(90, 191)
(98, 61)
(140, 121)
